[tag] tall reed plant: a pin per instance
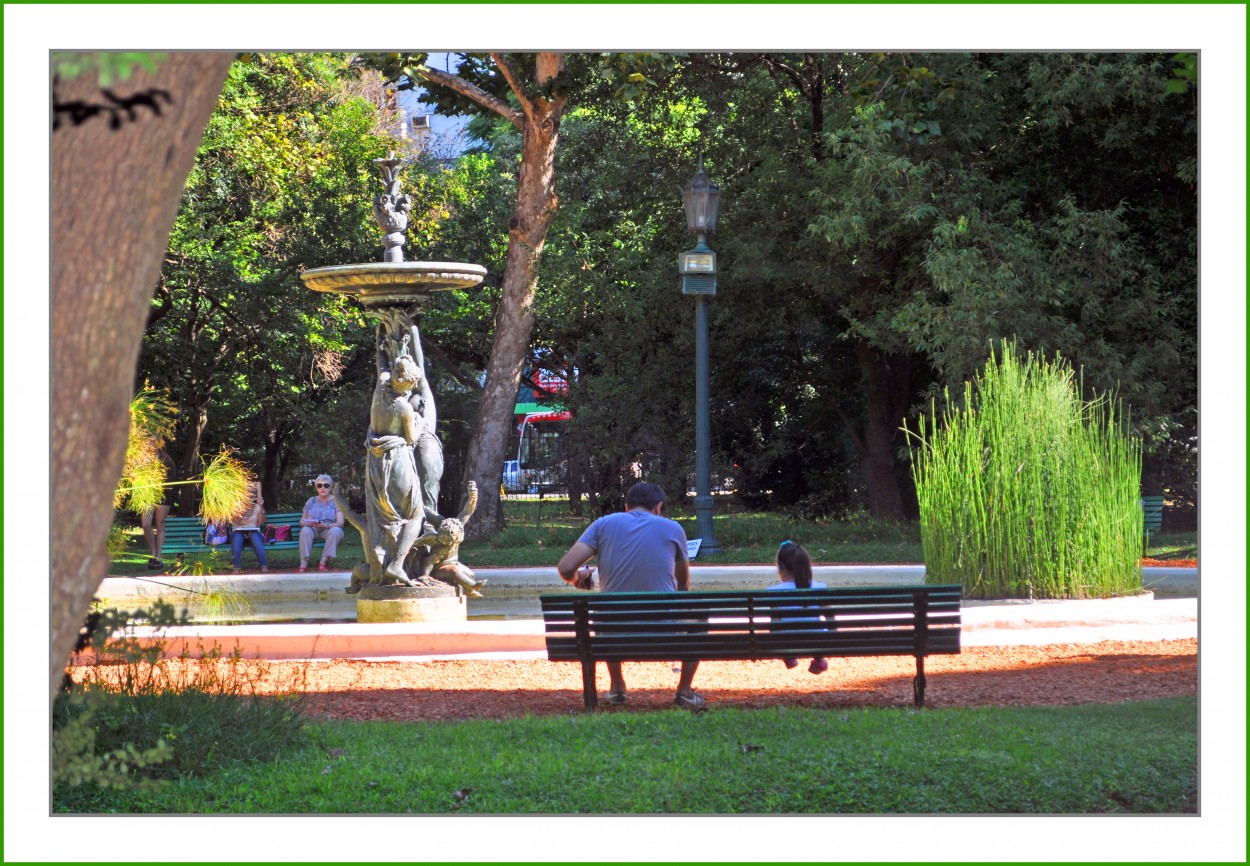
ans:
(1027, 490)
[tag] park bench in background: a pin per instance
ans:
(1152, 515)
(186, 534)
(589, 627)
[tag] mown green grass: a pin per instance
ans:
(539, 538)
(1129, 758)
(540, 531)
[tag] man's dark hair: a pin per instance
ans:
(644, 494)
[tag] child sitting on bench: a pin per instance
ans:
(794, 570)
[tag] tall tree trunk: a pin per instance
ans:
(119, 163)
(539, 123)
(514, 322)
(193, 418)
(272, 465)
(887, 390)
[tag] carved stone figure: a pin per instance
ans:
(442, 561)
(391, 210)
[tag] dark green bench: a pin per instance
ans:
(1152, 515)
(589, 627)
(186, 534)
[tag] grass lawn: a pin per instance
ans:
(1126, 758)
(539, 531)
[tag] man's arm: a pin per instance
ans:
(681, 571)
(578, 555)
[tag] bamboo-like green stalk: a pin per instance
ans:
(1027, 491)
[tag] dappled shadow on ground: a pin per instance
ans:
(1058, 674)
(1064, 674)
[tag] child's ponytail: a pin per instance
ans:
(793, 562)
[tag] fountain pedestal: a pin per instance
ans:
(410, 604)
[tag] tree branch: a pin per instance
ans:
(509, 75)
(472, 92)
(792, 73)
(450, 366)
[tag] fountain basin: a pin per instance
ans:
(388, 284)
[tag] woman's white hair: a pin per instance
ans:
(324, 477)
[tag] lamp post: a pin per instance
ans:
(697, 267)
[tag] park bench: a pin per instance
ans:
(1152, 515)
(186, 534)
(589, 627)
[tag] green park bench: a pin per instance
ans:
(1152, 514)
(186, 534)
(589, 627)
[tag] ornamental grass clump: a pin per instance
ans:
(1028, 491)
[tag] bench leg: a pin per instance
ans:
(588, 685)
(918, 684)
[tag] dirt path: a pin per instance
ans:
(1108, 672)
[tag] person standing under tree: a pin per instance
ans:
(153, 520)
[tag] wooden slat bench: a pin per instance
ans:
(186, 534)
(589, 627)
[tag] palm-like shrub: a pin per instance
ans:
(1028, 491)
(225, 481)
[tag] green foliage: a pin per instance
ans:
(225, 481)
(885, 217)
(110, 66)
(77, 760)
(141, 487)
(133, 719)
(283, 181)
(227, 486)
(222, 605)
(117, 542)
(539, 532)
(1134, 758)
(1026, 491)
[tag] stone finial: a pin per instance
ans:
(391, 208)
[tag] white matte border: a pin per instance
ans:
(1217, 31)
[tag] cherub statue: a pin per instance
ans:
(443, 559)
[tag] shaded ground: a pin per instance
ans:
(1107, 672)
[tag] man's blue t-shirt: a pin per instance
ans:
(638, 551)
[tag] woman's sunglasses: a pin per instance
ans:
(323, 486)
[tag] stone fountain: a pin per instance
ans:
(412, 571)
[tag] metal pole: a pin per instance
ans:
(702, 433)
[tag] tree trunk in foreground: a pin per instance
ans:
(119, 162)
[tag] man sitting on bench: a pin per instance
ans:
(639, 550)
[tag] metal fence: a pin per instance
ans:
(540, 468)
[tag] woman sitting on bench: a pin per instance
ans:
(249, 527)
